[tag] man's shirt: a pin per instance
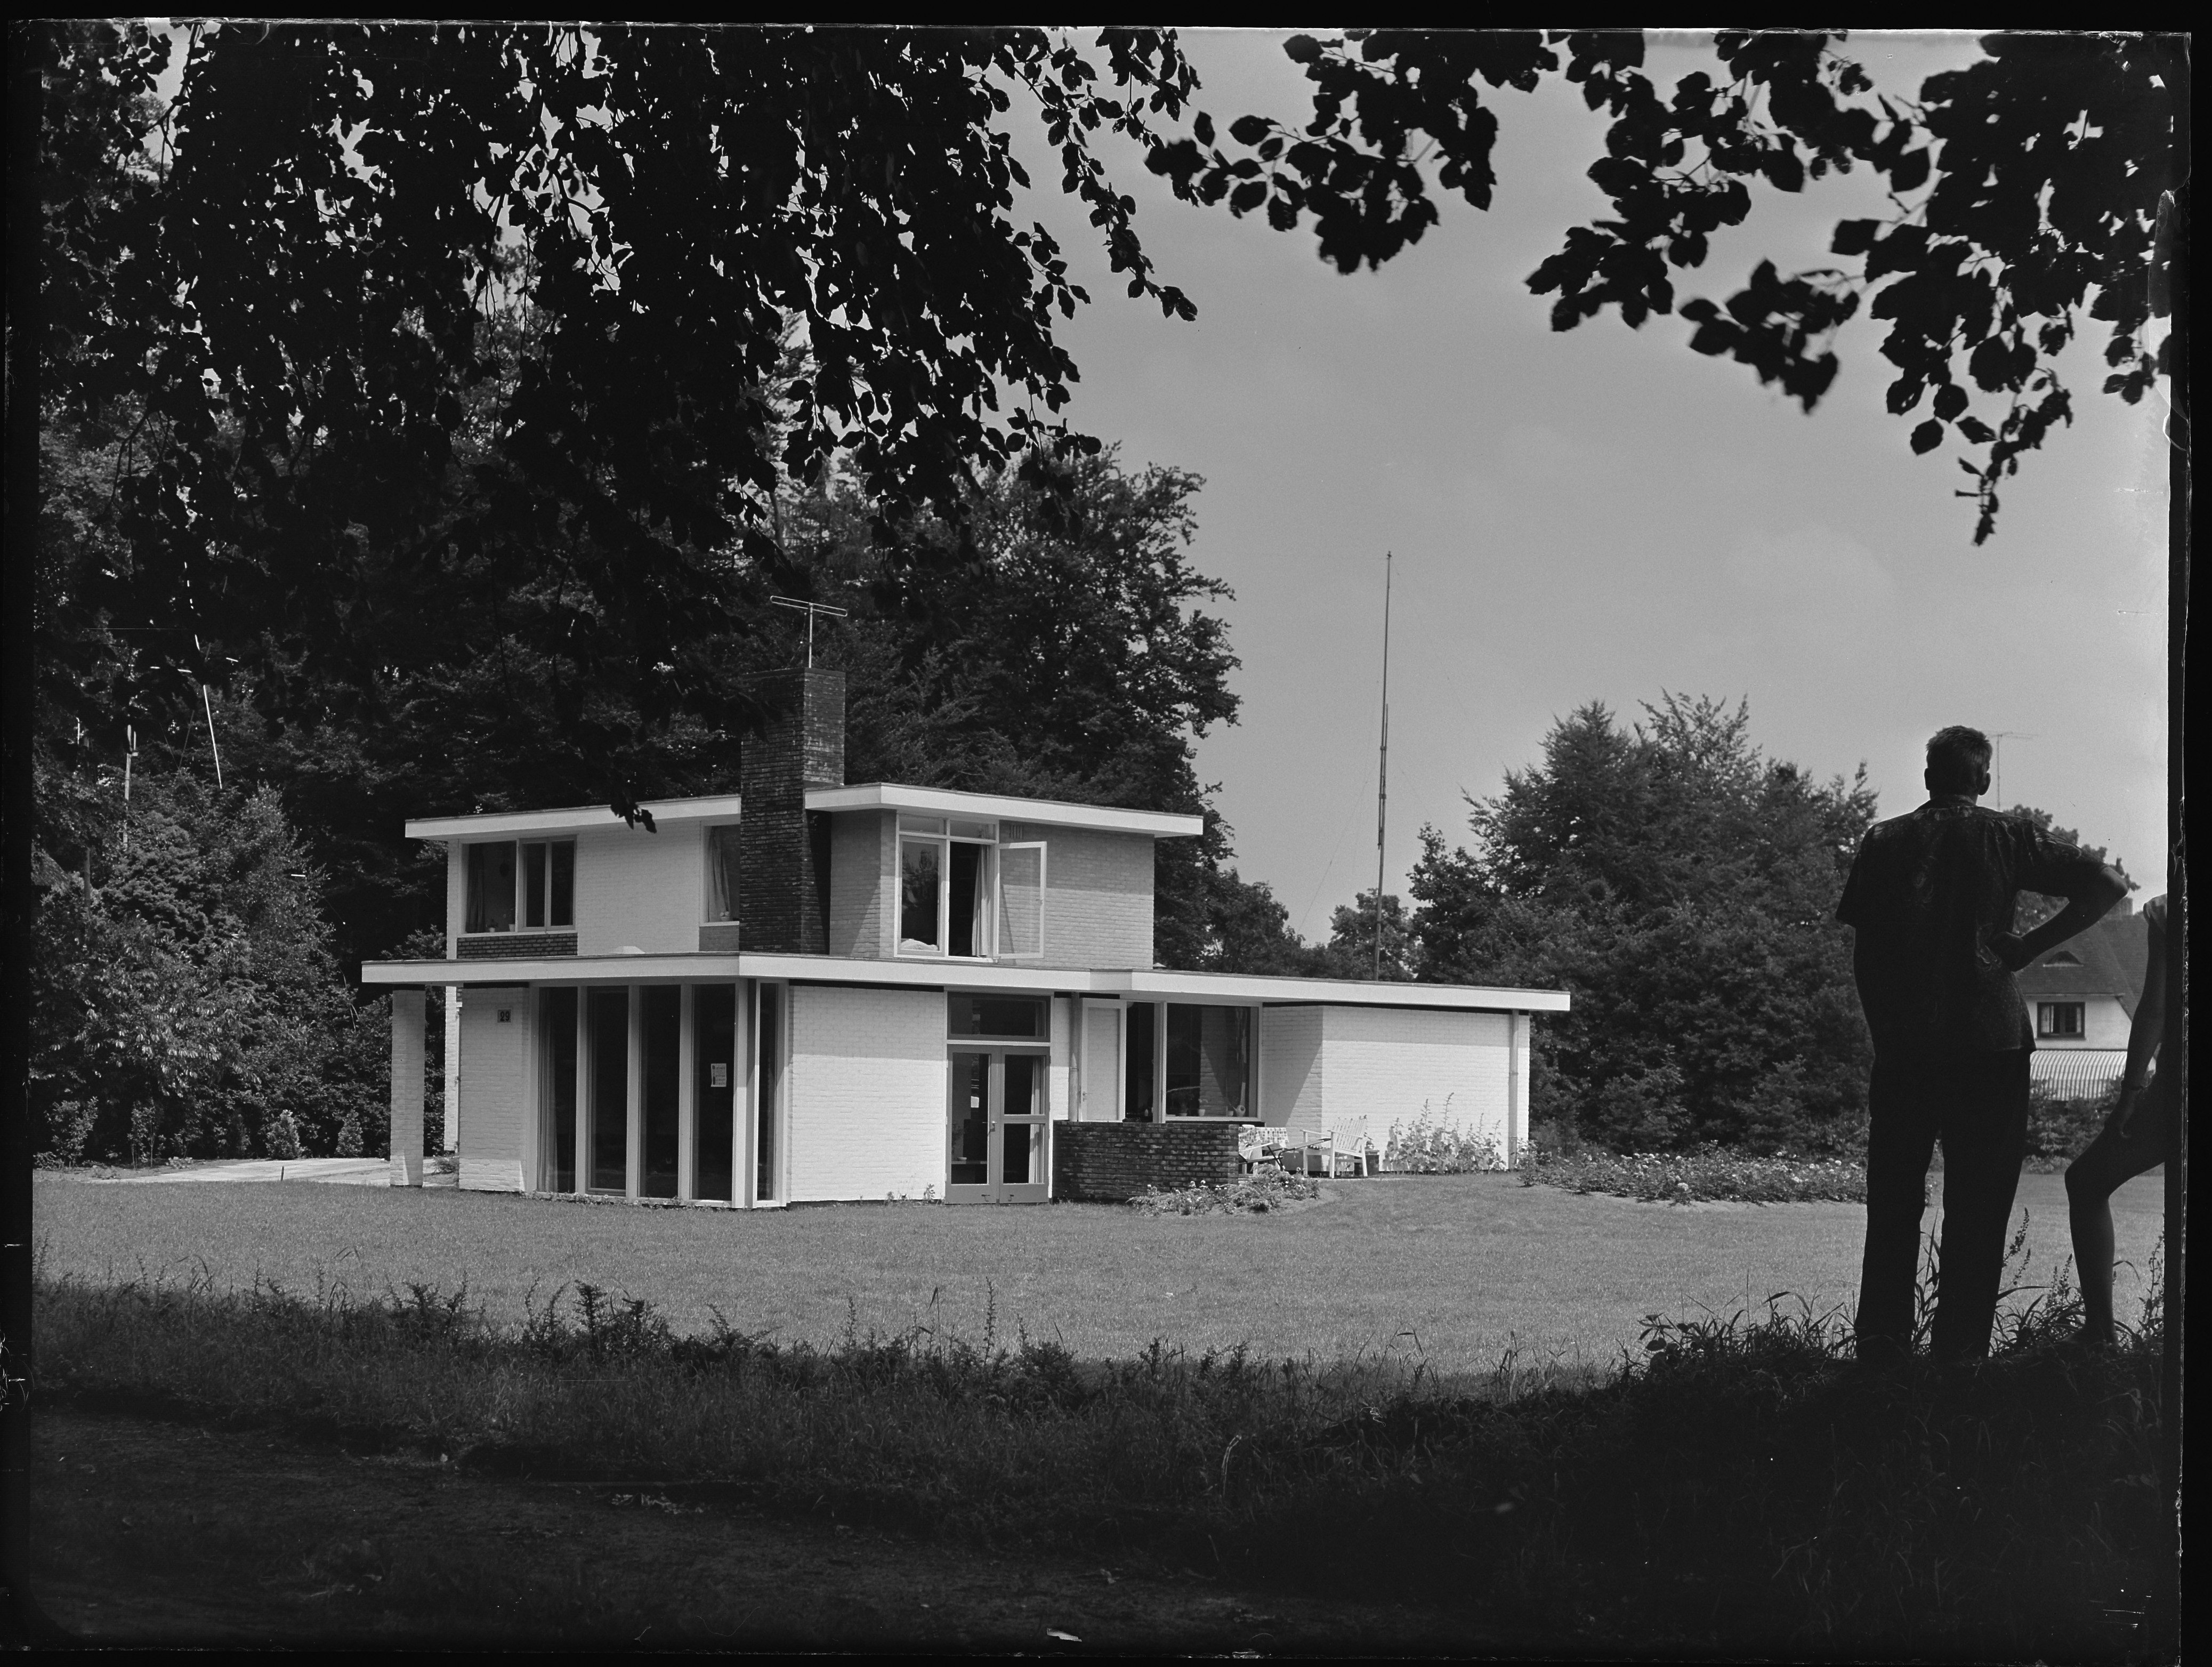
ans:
(1927, 892)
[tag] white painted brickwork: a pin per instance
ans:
(1385, 1063)
(642, 889)
(866, 1092)
(1291, 1063)
(1098, 895)
(496, 1082)
(862, 850)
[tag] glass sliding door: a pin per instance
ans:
(767, 1098)
(607, 1027)
(714, 1093)
(660, 1033)
(994, 1117)
(557, 1023)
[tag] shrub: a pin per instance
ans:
(1709, 1174)
(2059, 1129)
(1430, 1145)
(1267, 1188)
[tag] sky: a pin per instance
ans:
(1597, 516)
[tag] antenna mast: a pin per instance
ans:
(1382, 771)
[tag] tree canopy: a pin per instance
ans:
(2030, 199)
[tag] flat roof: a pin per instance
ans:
(1052, 812)
(1103, 981)
(574, 819)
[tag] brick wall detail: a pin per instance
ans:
(1097, 896)
(862, 848)
(516, 946)
(1113, 1162)
(635, 888)
(783, 899)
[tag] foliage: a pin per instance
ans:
(2060, 1129)
(184, 997)
(1681, 886)
(2033, 908)
(1739, 1484)
(1708, 1175)
(1351, 950)
(1268, 1186)
(1435, 1144)
(2030, 193)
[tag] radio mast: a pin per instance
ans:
(1382, 771)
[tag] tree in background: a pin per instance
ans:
(184, 1001)
(2031, 194)
(2033, 907)
(1350, 951)
(1681, 886)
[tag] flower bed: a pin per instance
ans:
(1266, 1188)
(1708, 1175)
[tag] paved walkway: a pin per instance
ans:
(340, 1171)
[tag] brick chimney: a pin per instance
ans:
(783, 852)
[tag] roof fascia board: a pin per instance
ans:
(1051, 813)
(580, 818)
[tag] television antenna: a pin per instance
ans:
(810, 609)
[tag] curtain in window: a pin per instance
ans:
(491, 888)
(721, 873)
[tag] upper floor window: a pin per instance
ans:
(532, 884)
(721, 873)
(962, 895)
(2060, 1019)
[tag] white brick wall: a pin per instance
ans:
(645, 889)
(1291, 1063)
(497, 1084)
(1386, 1062)
(863, 846)
(1098, 895)
(865, 1092)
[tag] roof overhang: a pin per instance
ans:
(576, 819)
(1052, 812)
(1104, 982)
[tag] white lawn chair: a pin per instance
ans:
(1345, 1137)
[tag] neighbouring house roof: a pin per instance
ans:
(1050, 812)
(574, 819)
(1153, 983)
(2108, 960)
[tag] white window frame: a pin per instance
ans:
(999, 901)
(905, 948)
(1161, 1116)
(2047, 1020)
(522, 888)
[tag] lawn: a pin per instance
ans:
(1458, 1268)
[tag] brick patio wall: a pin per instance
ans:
(1112, 1162)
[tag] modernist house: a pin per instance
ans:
(810, 990)
(2082, 998)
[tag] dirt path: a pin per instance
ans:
(148, 1532)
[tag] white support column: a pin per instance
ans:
(406, 1145)
(741, 1099)
(451, 1142)
(687, 1109)
(1517, 1087)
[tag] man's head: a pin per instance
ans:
(1959, 762)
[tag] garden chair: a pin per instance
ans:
(1259, 1144)
(1345, 1137)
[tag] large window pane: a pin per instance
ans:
(533, 883)
(562, 911)
(660, 1030)
(557, 1010)
(608, 1015)
(491, 888)
(969, 1164)
(969, 932)
(1136, 1098)
(714, 1035)
(768, 1041)
(1209, 1055)
(918, 886)
(721, 873)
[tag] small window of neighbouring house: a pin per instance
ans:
(721, 873)
(2060, 1019)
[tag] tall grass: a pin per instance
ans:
(1738, 1481)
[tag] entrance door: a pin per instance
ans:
(995, 1115)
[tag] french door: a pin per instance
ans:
(995, 1127)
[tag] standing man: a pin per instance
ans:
(1931, 900)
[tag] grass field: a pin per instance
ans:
(1453, 1268)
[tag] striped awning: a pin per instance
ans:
(2077, 1073)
